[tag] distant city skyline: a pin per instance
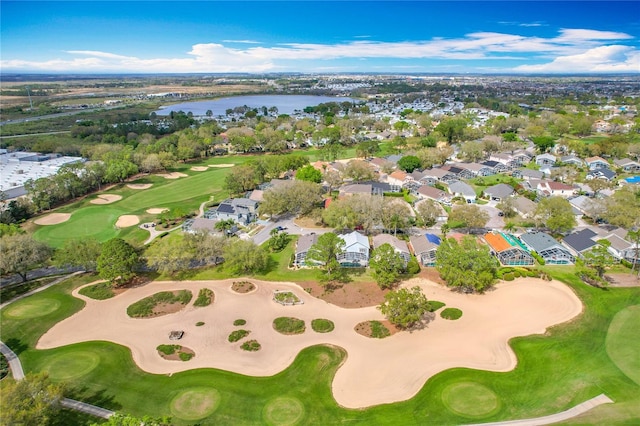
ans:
(519, 37)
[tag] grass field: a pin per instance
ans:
(559, 370)
(98, 221)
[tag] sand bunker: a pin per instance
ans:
(106, 199)
(157, 210)
(173, 175)
(376, 371)
(139, 185)
(127, 220)
(52, 219)
(221, 165)
(199, 168)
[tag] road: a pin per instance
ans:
(56, 115)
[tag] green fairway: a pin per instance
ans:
(71, 365)
(623, 344)
(195, 404)
(283, 411)
(98, 221)
(470, 399)
(28, 308)
(568, 365)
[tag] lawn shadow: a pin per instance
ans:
(98, 398)
(16, 345)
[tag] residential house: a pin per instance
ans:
(241, 210)
(477, 169)
(397, 179)
(356, 189)
(551, 251)
(398, 245)
(595, 163)
(499, 192)
(524, 207)
(583, 204)
(461, 189)
(497, 166)
(424, 247)
(627, 165)
(528, 174)
(572, 159)
(580, 242)
(551, 188)
(545, 160)
(459, 172)
(380, 164)
(432, 176)
(606, 174)
(508, 249)
(431, 193)
(303, 245)
(356, 250)
(199, 224)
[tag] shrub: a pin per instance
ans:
(508, 276)
(251, 346)
(378, 330)
(185, 356)
(434, 305)
(199, 324)
(239, 322)
(144, 307)
(205, 296)
(413, 267)
(168, 349)
(537, 257)
(451, 313)
(237, 335)
(289, 325)
(322, 325)
(516, 274)
(100, 291)
(286, 297)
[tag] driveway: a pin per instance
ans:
(288, 223)
(495, 221)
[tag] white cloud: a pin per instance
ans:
(603, 59)
(589, 48)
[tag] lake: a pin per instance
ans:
(286, 104)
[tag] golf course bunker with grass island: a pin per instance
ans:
(375, 371)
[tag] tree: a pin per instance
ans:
(404, 308)
(78, 252)
(309, 173)
(556, 213)
(470, 215)
(543, 143)
(296, 197)
(225, 225)
(169, 256)
(332, 179)
(325, 252)
(244, 257)
(598, 259)
(428, 212)
(278, 240)
(409, 163)
(623, 208)
(507, 206)
(472, 151)
(634, 237)
(20, 252)
(387, 265)
(359, 171)
(396, 214)
(240, 179)
(117, 261)
(467, 266)
(207, 248)
(33, 400)
(452, 129)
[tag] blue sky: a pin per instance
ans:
(328, 36)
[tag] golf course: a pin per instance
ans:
(595, 353)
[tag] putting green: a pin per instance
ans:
(28, 308)
(283, 411)
(195, 403)
(470, 399)
(71, 365)
(622, 342)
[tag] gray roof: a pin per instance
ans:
(420, 244)
(397, 244)
(530, 173)
(581, 240)
(305, 242)
(500, 190)
(538, 241)
(462, 188)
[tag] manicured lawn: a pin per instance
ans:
(568, 365)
